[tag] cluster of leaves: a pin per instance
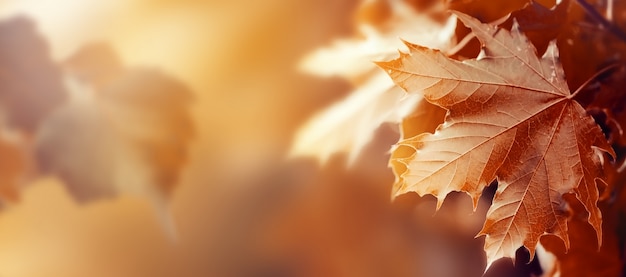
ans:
(496, 107)
(100, 127)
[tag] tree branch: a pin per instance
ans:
(601, 20)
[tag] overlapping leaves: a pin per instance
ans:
(350, 124)
(511, 118)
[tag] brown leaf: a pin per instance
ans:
(151, 110)
(584, 257)
(132, 134)
(540, 24)
(510, 117)
(486, 10)
(124, 131)
(583, 41)
(425, 118)
(31, 84)
(605, 101)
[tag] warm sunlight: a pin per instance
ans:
(367, 138)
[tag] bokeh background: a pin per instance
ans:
(238, 206)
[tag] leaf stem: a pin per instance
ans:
(454, 50)
(601, 71)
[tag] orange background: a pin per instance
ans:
(239, 58)
(240, 208)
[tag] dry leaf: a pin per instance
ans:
(585, 258)
(605, 100)
(540, 24)
(487, 10)
(350, 124)
(426, 118)
(125, 134)
(511, 118)
(31, 87)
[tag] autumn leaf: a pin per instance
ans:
(511, 118)
(31, 84)
(125, 131)
(350, 124)
(31, 88)
(606, 101)
(540, 24)
(425, 118)
(584, 257)
(585, 41)
(486, 10)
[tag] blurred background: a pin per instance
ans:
(148, 138)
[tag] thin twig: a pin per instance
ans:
(609, 10)
(600, 72)
(461, 44)
(603, 21)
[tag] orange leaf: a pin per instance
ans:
(349, 125)
(511, 118)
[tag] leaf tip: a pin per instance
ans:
(466, 19)
(475, 196)
(410, 45)
(491, 260)
(552, 52)
(399, 188)
(459, 14)
(440, 199)
(382, 64)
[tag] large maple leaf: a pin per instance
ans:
(511, 118)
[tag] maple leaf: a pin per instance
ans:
(124, 131)
(350, 124)
(585, 258)
(540, 24)
(347, 126)
(425, 118)
(31, 87)
(511, 118)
